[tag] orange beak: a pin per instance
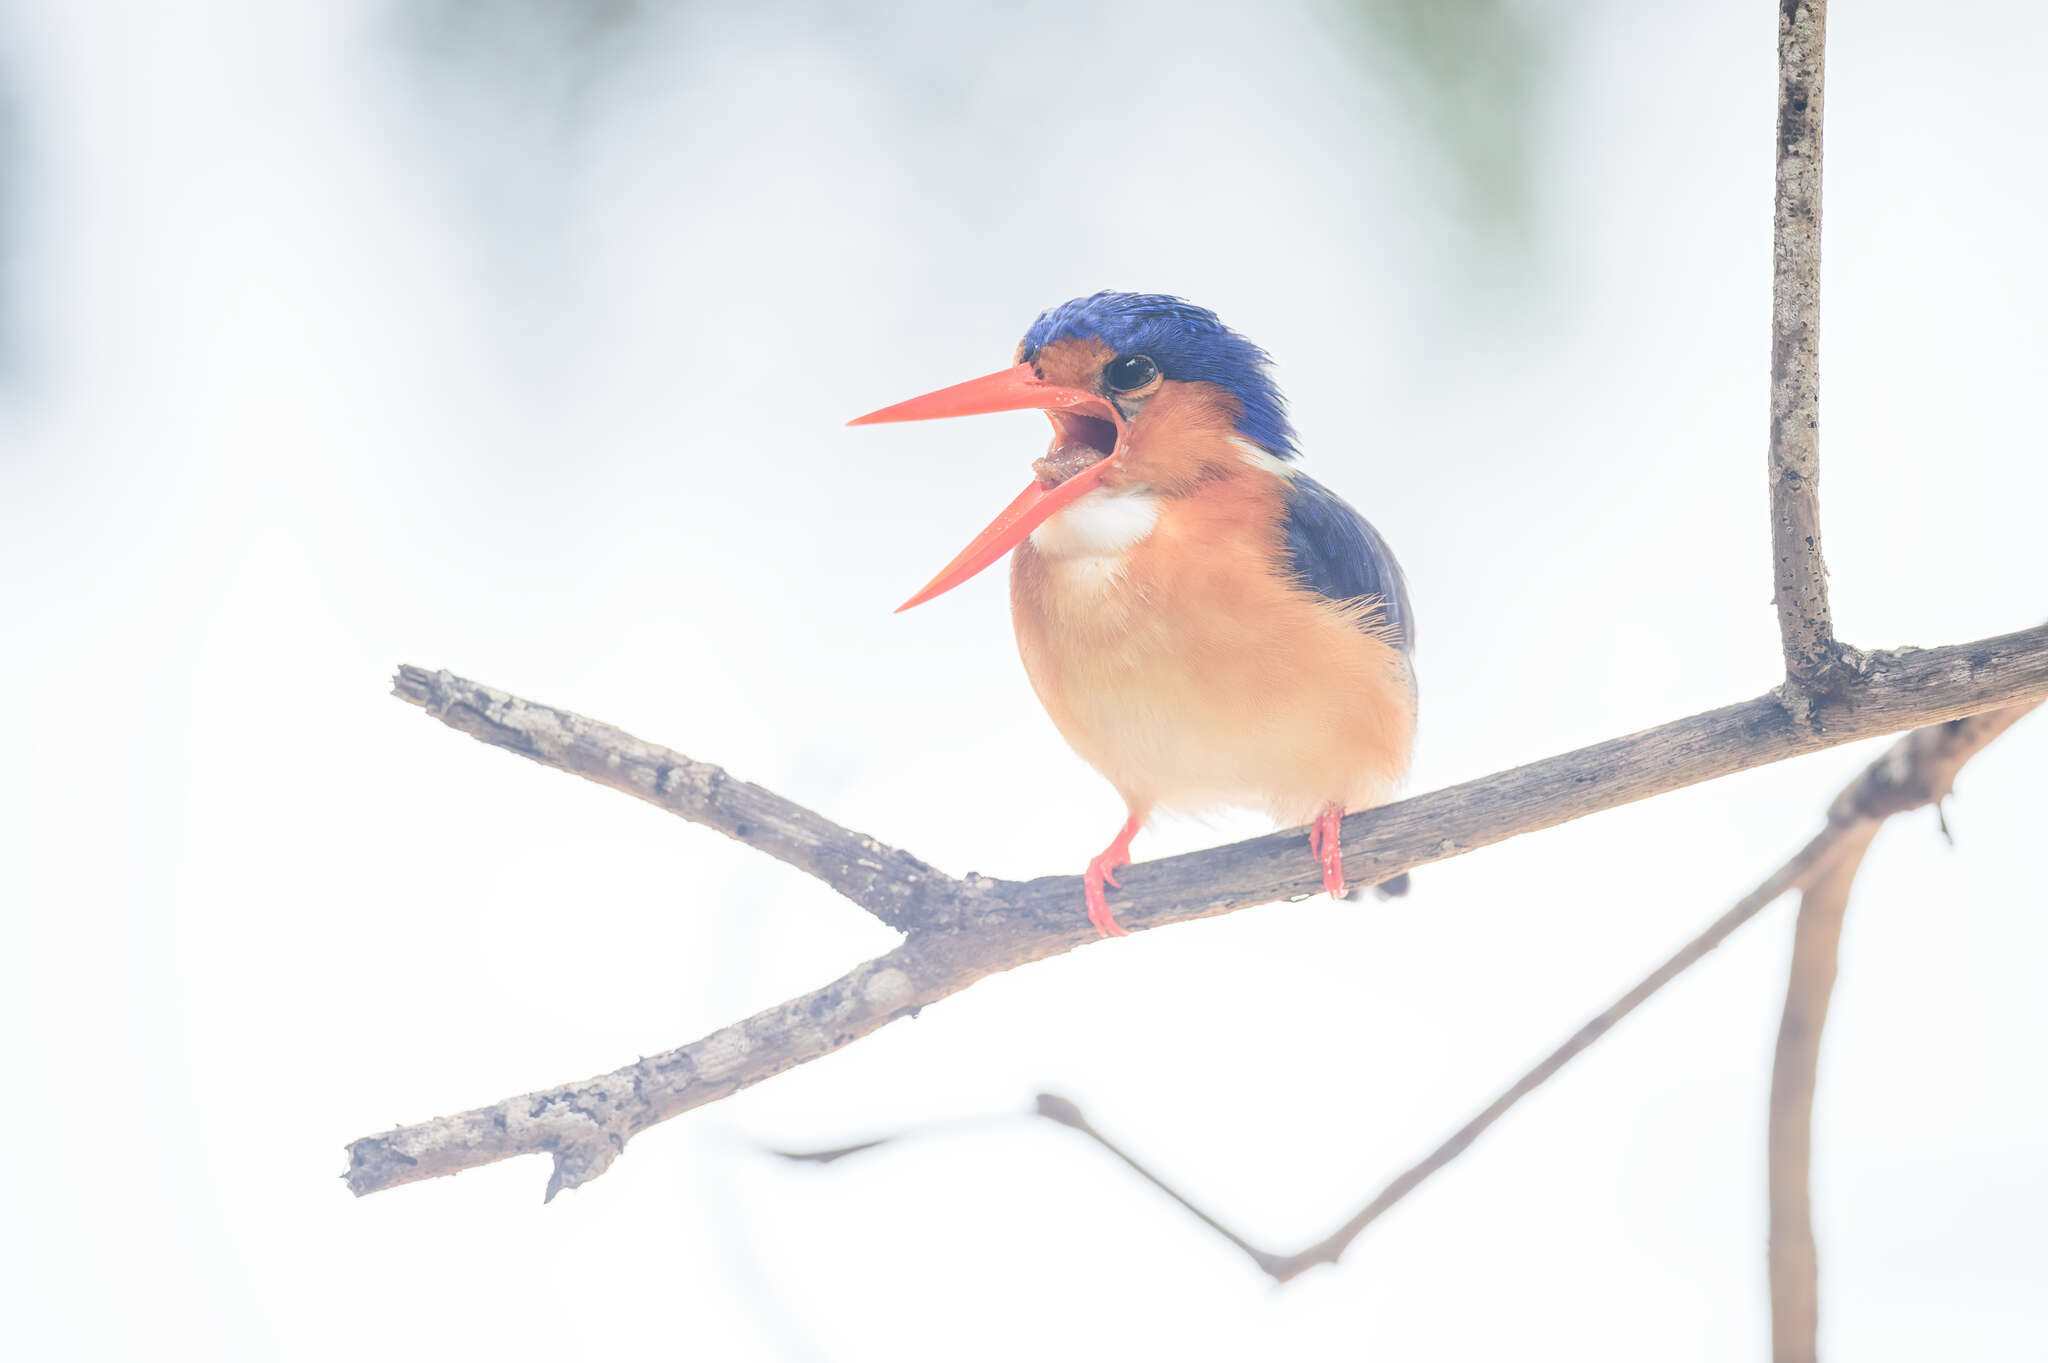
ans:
(1008, 390)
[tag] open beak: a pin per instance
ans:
(1088, 433)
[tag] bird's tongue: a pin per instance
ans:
(1031, 510)
(1062, 462)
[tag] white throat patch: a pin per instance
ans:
(1099, 525)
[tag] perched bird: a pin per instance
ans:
(1206, 624)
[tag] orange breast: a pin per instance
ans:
(1165, 639)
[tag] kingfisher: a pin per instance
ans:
(1207, 625)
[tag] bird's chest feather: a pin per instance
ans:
(1096, 633)
(1177, 654)
(1149, 629)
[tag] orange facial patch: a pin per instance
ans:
(1073, 363)
(1182, 437)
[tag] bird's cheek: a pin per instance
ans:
(1118, 475)
(1142, 464)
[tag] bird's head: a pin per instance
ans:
(1140, 388)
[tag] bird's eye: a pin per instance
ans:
(1132, 371)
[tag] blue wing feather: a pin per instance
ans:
(1336, 552)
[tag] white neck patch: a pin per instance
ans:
(1263, 459)
(1099, 524)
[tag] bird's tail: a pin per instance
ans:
(1387, 889)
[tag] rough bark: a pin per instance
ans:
(1800, 577)
(961, 930)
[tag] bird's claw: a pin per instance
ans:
(1324, 844)
(1102, 871)
(1105, 922)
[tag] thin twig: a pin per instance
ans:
(1794, 1262)
(1285, 1267)
(1800, 579)
(1918, 770)
(1067, 1113)
(962, 930)
(585, 1126)
(886, 882)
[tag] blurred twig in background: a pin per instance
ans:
(1918, 770)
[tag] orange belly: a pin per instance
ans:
(1189, 670)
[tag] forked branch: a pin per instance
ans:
(958, 931)
(1918, 770)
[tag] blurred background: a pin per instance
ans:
(514, 337)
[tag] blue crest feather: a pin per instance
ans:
(1188, 343)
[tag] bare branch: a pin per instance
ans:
(1918, 770)
(585, 1126)
(962, 930)
(1891, 691)
(887, 883)
(1795, 1267)
(1068, 1114)
(1800, 577)
(1817, 853)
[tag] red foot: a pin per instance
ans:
(1102, 871)
(1324, 836)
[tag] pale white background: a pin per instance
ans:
(342, 334)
